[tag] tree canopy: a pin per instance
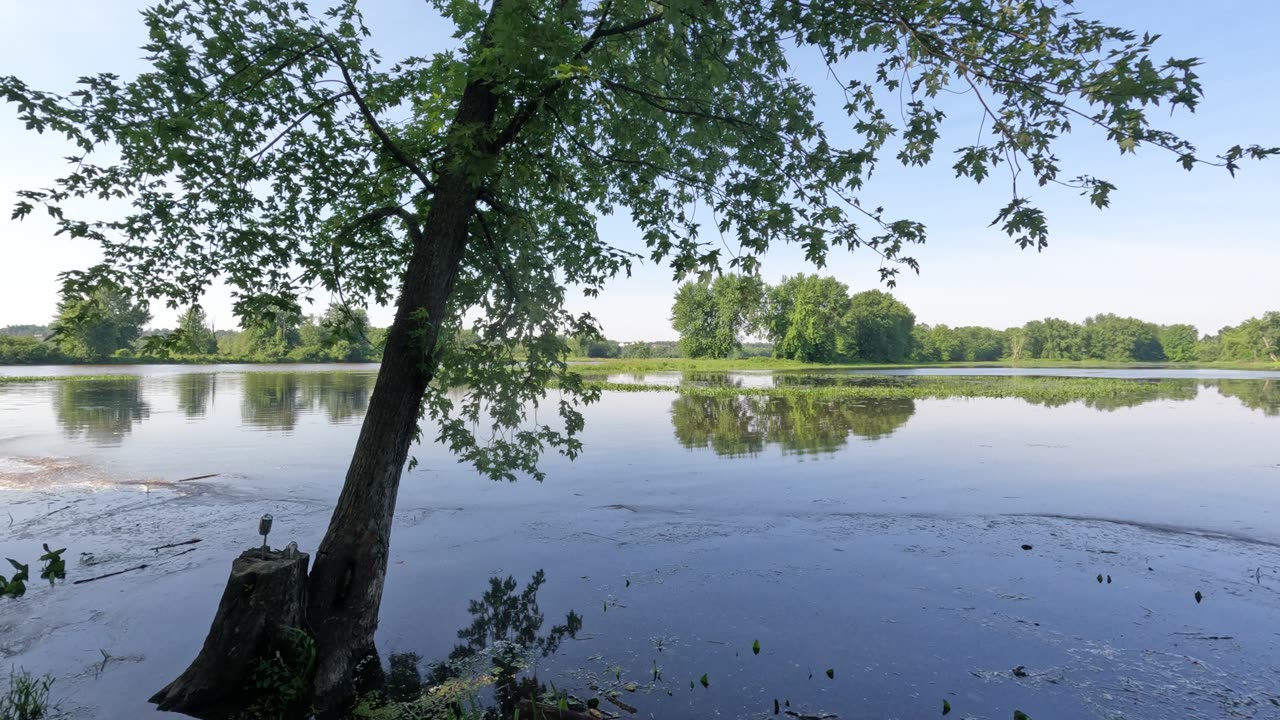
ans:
(96, 324)
(270, 147)
(713, 316)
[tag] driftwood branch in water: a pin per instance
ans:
(112, 574)
(192, 541)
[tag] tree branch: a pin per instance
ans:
(391, 147)
(530, 108)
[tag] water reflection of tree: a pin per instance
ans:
(801, 424)
(504, 637)
(275, 400)
(194, 391)
(342, 395)
(1261, 395)
(270, 400)
(102, 411)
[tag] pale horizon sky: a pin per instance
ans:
(1174, 247)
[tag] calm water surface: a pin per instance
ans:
(878, 538)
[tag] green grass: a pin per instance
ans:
(27, 697)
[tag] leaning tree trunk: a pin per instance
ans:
(345, 588)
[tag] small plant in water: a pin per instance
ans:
(55, 568)
(27, 697)
(280, 682)
(15, 586)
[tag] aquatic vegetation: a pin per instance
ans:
(15, 586)
(55, 567)
(281, 682)
(1100, 393)
(21, 379)
(27, 697)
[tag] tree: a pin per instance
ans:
(1179, 342)
(712, 316)
(94, 325)
(980, 344)
(1252, 340)
(806, 318)
(260, 150)
(194, 336)
(880, 326)
(1054, 339)
(346, 334)
(1121, 339)
(1015, 343)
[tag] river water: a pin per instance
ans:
(880, 539)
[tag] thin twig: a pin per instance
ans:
(192, 541)
(118, 572)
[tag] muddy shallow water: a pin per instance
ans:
(883, 542)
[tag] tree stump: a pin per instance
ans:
(263, 601)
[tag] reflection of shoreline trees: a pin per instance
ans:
(194, 391)
(1261, 395)
(737, 425)
(102, 411)
(812, 414)
(275, 400)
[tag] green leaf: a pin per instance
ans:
(1019, 715)
(755, 647)
(704, 680)
(946, 707)
(831, 673)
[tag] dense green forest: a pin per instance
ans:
(105, 326)
(809, 318)
(815, 319)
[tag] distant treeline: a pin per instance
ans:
(805, 317)
(815, 319)
(107, 326)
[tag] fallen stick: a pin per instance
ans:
(198, 477)
(118, 572)
(192, 541)
(177, 554)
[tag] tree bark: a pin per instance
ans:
(345, 589)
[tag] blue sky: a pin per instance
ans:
(1174, 247)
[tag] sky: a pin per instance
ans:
(1197, 247)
